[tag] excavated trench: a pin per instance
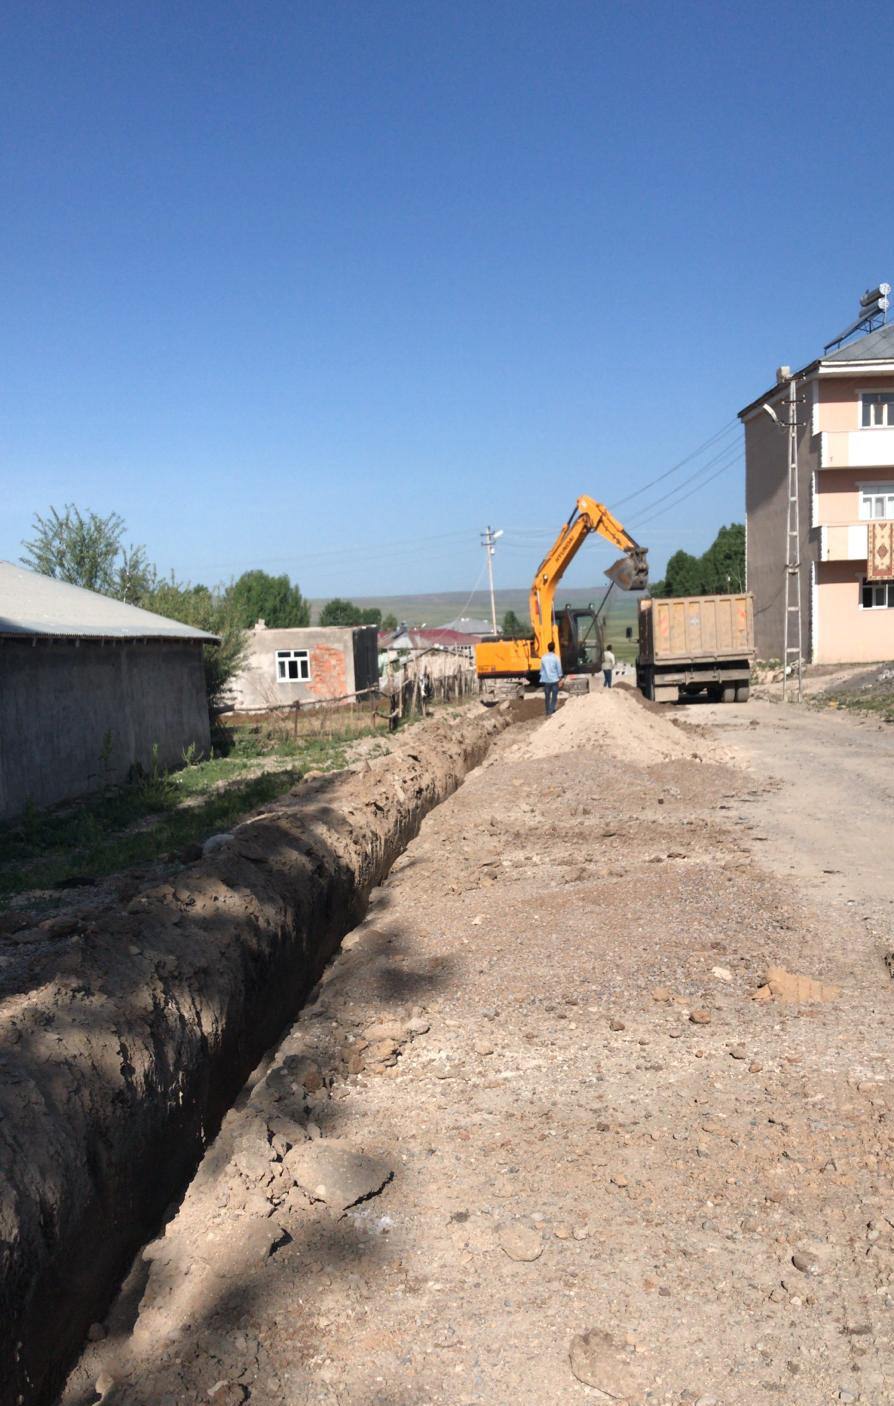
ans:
(131, 1035)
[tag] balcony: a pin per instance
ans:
(843, 541)
(856, 449)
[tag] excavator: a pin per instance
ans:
(576, 633)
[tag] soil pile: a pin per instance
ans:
(614, 722)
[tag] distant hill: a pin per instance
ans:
(438, 608)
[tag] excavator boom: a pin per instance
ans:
(588, 516)
(520, 658)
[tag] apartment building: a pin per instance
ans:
(845, 458)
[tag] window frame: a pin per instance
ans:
(282, 658)
(875, 490)
(888, 398)
(885, 588)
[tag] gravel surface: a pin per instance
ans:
(536, 1141)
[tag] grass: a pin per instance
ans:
(437, 609)
(878, 705)
(159, 814)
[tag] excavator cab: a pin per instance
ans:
(581, 640)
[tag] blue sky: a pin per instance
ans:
(327, 287)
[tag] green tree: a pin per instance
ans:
(273, 599)
(683, 575)
(345, 612)
(718, 571)
(88, 550)
(513, 627)
(389, 622)
(723, 564)
(209, 610)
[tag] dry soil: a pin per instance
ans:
(536, 1141)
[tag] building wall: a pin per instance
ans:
(331, 651)
(839, 397)
(847, 634)
(76, 715)
(766, 503)
(839, 402)
(838, 492)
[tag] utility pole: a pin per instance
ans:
(792, 629)
(488, 538)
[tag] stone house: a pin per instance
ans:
(845, 456)
(313, 665)
(89, 689)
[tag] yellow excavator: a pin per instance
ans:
(576, 633)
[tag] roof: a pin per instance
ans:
(32, 604)
(465, 626)
(874, 346)
(427, 639)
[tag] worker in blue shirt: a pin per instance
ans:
(550, 677)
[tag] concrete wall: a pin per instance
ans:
(847, 634)
(766, 502)
(838, 496)
(76, 715)
(332, 653)
(839, 406)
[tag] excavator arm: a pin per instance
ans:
(520, 658)
(631, 572)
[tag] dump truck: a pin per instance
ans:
(696, 644)
(576, 633)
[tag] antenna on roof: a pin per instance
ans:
(873, 314)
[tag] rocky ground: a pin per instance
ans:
(546, 1134)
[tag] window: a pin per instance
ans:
(877, 595)
(877, 408)
(292, 665)
(876, 501)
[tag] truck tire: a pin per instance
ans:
(743, 692)
(728, 693)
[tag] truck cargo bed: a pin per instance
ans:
(696, 644)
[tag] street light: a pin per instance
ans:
(488, 539)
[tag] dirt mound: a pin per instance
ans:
(612, 721)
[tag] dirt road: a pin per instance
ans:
(833, 783)
(535, 1142)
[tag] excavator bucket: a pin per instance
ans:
(630, 573)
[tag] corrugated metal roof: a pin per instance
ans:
(875, 346)
(32, 604)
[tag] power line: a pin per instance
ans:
(472, 592)
(690, 478)
(408, 543)
(724, 468)
(681, 463)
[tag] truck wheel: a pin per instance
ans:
(728, 693)
(743, 692)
